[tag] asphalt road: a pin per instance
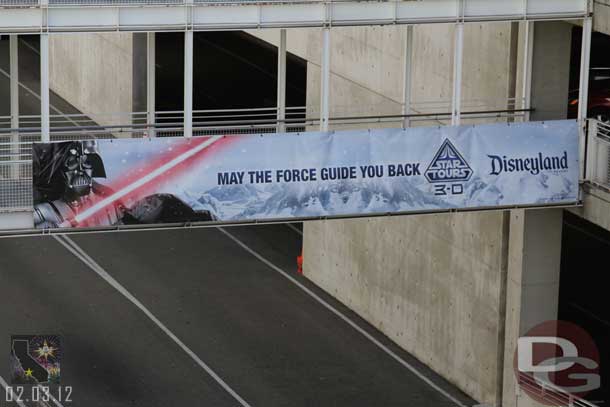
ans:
(266, 339)
(191, 317)
(14, 191)
(29, 79)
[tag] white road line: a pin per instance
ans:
(589, 313)
(34, 93)
(5, 385)
(27, 44)
(291, 226)
(85, 258)
(37, 96)
(344, 318)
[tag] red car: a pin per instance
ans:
(599, 97)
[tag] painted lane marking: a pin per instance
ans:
(344, 318)
(92, 264)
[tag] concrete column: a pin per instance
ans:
(551, 70)
(45, 120)
(532, 288)
(281, 82)
(14, 89)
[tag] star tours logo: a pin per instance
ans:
(448, 165)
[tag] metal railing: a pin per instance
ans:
(16, 144)
(295, 116)
(155, 2)
(75, 16)
(598, 153)
(151, 2)
(131, 121)
(118, 2)
(549, 393)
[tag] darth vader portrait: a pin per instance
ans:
(68, 180)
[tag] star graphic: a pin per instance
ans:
(45, 351)
(28, 373)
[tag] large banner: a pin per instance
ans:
(284, 176)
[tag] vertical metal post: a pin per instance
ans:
(511, 94)
(407, 80)
(14, 92)
(528, 58)
(45, 121)
(14, 85)
(585, 57)
(281, 82)
(583, 96)
(325, 80)
(188, 83)
(456, 102)
(150, 83)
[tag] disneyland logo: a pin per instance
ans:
(532, 164)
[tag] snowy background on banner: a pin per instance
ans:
(200, 190)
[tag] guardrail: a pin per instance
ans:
(507, 4)
(127, 122)
(549, 392)
(35, 16)
(16, 144)
(598, 153)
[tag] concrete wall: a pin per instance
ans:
(551, 70)
(532, 288)
(601, 16)
(436, 285)
(433, 284)
(94, 73)
(367, 67)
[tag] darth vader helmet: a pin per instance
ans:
(81, 163)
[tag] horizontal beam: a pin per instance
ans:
(14, 229)
(205, 15)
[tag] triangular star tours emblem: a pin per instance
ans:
(448, 165)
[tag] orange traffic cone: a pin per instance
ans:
(300, 263)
